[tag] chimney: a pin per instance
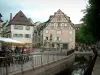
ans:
(30, 21)
(10, 16)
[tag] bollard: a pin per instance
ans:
(32, 62)
(41, 60)
(6, 69)
(53, 58)
(22, 65)
(48, 59)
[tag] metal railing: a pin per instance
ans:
(20, 63)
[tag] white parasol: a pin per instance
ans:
(9, 40)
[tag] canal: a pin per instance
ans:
(78, 68)
(66, 72)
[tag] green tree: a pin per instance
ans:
(2, 29)
(84, 36)
(3, 32)
(91, 23)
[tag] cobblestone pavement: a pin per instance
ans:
(96, 69)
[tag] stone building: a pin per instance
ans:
(21, 28)
(38, 34)
(77, 26)
(59, 32)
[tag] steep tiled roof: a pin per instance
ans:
(78, 25)
(59, 12)
(51, 16)
(40, 26)
(30, 20)
(20, 19)
(37, 23)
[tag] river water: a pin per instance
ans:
(78, 68)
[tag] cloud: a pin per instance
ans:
(40, 10)
(7, 7)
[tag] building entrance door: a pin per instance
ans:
(65, 46)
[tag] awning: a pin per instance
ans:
(9, 40)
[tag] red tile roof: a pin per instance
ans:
(20, 19)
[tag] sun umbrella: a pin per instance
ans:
(9, 40)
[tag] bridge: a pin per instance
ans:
(85, 53)
(40, 63)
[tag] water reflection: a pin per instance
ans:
(80, 65)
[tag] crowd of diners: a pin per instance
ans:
(22, 50)
(27, 50)
(8, 55)
(16, 50)
(6, 51)
(84, 47)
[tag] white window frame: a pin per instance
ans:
(66, 25)
(59, 32)
(70, 39)
(15, 35)
(28, 36)
(55, 25)
(70, 32)
(18, 35)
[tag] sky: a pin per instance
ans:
(40, 10)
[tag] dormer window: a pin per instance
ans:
(59, 18)
(21, 15)
(19, 27)
(27, 28)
